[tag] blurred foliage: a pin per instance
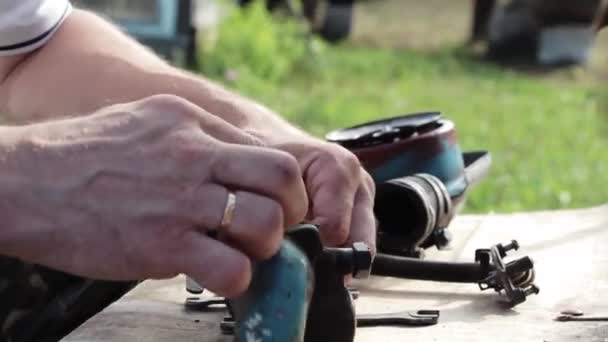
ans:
(545, 134)
(251, 42)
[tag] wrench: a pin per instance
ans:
(573, 318)
(205, 305)
(408, 319)
(418, 318)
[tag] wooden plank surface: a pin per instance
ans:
(570, 250)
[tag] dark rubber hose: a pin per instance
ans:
(411, 268)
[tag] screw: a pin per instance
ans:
(503, 249)
(514, 245)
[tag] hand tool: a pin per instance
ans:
(294, 294)
(418, 318)
(579, 317)
(422, 177)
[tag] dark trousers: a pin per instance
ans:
(39, 304)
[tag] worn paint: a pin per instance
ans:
(275, 307)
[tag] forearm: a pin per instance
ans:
(16, 223)
(89, 64)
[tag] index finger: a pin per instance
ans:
(332, 205)
(363, 222)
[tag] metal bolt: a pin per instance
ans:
(362, 260)
(514, 245)
(356, 260)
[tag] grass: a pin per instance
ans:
(547, 135)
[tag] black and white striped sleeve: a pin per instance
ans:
(26, 25)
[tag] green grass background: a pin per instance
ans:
(547, 132)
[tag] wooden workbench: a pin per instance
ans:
(570, 249)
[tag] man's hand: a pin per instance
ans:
(340, 190)
(132, 191)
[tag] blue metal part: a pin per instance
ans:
(421, 175)
(164, 25)
(275, 307)
(446, 165)
(161, 26)
(406, 145)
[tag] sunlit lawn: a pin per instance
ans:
(547, 135)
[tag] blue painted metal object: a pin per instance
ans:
(161, 25)
(421, 175)
(444, 162)
(294, 294)
(406, 145)
(275, 307)
(164, 25)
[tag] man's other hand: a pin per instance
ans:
(340, 190)
(131, 192)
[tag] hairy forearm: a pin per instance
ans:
(90, 64)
